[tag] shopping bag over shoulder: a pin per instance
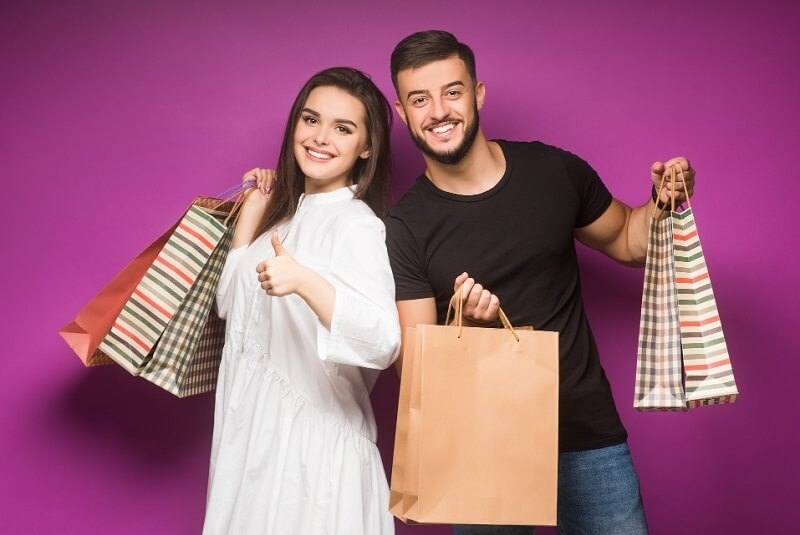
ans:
(188, 349)
(481, 429)
(185, 360)
(164, 286)
(95, 319)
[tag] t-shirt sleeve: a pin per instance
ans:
(365, 329)
(594, 197)
(406, 260)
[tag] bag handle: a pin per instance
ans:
(234, 191)
(674, 172)
(457, 306)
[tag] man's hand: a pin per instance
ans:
(667, 189)
(480, 305)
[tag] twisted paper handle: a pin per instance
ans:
(457, 305)
(674, 171)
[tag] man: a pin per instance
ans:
(498, 220)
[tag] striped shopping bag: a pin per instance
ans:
(709, 375)
(683, 359)
(185, 360)
(156, 318)
(164, 286)
(659, 372)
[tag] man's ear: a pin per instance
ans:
(400, 111)
(480, 94)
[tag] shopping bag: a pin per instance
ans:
(95, 319)
(164, 286)
(405, 469)
(477, 426)
(659, 365)
(185, 359)
(706, 363)
(683, 360)
(89, 333)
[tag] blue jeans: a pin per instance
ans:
(598, 494)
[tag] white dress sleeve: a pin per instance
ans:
(225, 285)
(365, 329)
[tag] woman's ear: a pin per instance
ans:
(364, 155)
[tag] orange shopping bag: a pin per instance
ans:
(94, 320)
(477, 426)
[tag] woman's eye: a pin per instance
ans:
(309, 120)
(343, 129)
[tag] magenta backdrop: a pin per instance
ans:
(115, 114)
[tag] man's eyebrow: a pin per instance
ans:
(425, 91)
(451, 84)
(335, 120)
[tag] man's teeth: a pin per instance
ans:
(443, 128)
(319, 155)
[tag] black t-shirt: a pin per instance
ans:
(516, 239)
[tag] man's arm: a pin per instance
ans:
(413, 312)
(621, 231)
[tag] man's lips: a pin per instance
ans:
(442, 129)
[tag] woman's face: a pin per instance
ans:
(330, 135)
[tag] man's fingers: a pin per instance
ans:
(459, 281)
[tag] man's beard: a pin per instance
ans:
(453, 156)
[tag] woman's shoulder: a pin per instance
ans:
(352, 212)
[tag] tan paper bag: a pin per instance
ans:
(477, 427)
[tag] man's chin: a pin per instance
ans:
(451, 157)
(441, 156)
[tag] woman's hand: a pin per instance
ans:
(254, 205)
(282, 275)
(265, 180)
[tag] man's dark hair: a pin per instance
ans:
(421, 48)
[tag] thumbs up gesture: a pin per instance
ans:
(281, 275)
(278, 246)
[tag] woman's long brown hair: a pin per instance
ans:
(371, 175)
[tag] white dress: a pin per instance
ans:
(293, 450)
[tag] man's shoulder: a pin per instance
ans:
(410, 199)
(530, 147)
(538, 153)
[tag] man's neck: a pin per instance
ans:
(480, 170)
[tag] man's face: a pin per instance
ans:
(439, 103)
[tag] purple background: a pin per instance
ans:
(114, 115)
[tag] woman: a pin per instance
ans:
(308, 296)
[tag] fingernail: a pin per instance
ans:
(268, 189)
